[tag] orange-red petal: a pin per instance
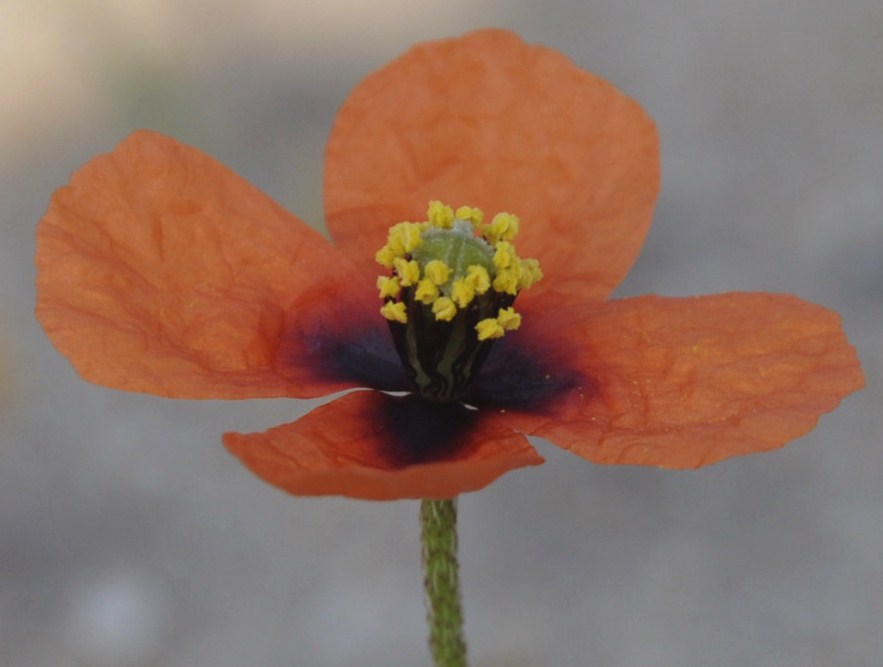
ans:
(490, 121)
(160, 270)
(375, 446)
(685, 382)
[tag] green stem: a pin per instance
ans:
(438, 520)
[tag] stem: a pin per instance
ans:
(438, 521)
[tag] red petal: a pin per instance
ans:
(682, 383)
(490, 121)
(161, 271)
(353, 447)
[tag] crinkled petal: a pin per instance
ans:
(685, 382)
(490, 121)
(375, 446)
(160, 270)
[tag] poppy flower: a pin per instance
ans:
(161, 271)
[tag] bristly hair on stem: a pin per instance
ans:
(438, 521)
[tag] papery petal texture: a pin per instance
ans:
(162, 271)
(686, 382)
(490, 121)
(374, 446)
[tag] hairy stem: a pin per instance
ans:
(438, 521)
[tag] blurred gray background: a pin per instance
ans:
(128, 537)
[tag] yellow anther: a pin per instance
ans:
(440, 215)
(489, 328)
(389, 287)
(470, 214)
(495, 327)
(508, 319)
(444, 309)
(426, 291)
(531, 273)
(405, 237)
(407, 270)
(506, 280)
(437, 271)
(385, 256)
(462, 292)
(395, 245)
(503, 227)
(395, 312)
(504, 255)
(478, 277)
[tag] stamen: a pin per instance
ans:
(394, 312)
(437, 271)
(503, 227)
(450, 293)
(478, 277)
(385, 256)
(389, 287)
(407, 270)
(440, 215)
(509, 319)
(444, 309)
(506, 281)
(427, 291)
(504, 255)
(462, 293)
(489, 329)
(495, 327)
(530, 273)
(470, 214)
(408, 236)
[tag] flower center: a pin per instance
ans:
(453, 279)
